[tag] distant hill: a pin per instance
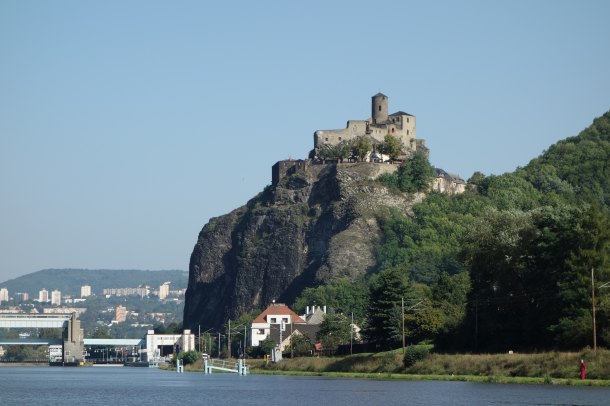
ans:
(69, 281)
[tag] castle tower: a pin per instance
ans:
(379, 106)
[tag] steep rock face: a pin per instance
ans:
(310, 228)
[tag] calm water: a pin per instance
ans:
(139, 386)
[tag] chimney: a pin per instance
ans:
(324, 309)
(307, 310)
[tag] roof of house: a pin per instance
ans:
(440, 173)
(308, 330)
(380, 94)
(317, 317)
(401, 113)
(278, 309)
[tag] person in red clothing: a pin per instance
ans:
(583, 369)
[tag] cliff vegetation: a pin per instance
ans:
(505, 266)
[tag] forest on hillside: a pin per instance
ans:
(512, 264)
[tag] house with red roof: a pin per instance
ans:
(277, 317)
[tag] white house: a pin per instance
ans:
(277, 317)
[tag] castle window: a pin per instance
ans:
(393, 130)
(407, 119)
(407, 132)
(379, 108)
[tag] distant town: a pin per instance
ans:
(117, 312)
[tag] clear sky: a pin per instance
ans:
(126, 125)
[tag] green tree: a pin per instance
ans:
(301, 344)
(334, 331)
(189, 357)
(415, 174)
(100, 332)
(384, 321)
(26, 353)
(339, 296)
(331, 152)
(362, 147)
(391, 146)
(267, 345)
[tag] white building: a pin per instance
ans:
(85, 291)
(43, 296)
(164, 290)
(120, 314)
(162, 345)
(3, 295)
(56, 297)
(277, 316)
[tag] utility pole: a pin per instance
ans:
(219, 344)
(476, 324)
(229, 341)
(351, 336)
(198, 337)
(593, 306)
(403, 324)
(245, 339)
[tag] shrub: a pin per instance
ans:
(415, 353)
(189, 357)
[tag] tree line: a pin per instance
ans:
(512, 264)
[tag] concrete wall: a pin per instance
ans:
(185, 342)
(73, 336)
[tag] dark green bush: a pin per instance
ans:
(415, 353)
(189, 357)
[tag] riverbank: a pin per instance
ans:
(560, 368)
(539, 368)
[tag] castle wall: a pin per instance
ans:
(400, 125)
(354, 129)
(281, 169)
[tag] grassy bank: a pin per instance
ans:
(539, 368)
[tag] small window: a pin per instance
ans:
(339, 138)
(407, 119)
(273, 320)
(261, 331)
(379, 108)
(326, 139)
(407, 131)
(285, 319)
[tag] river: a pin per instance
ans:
(143, 386)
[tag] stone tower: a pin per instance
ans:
(379, 106)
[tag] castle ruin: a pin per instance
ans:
(400, 125)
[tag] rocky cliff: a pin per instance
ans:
(308, 228)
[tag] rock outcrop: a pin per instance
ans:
(309, 228)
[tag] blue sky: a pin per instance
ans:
(126, 125)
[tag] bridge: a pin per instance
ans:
(72, 335)
(34, 320)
